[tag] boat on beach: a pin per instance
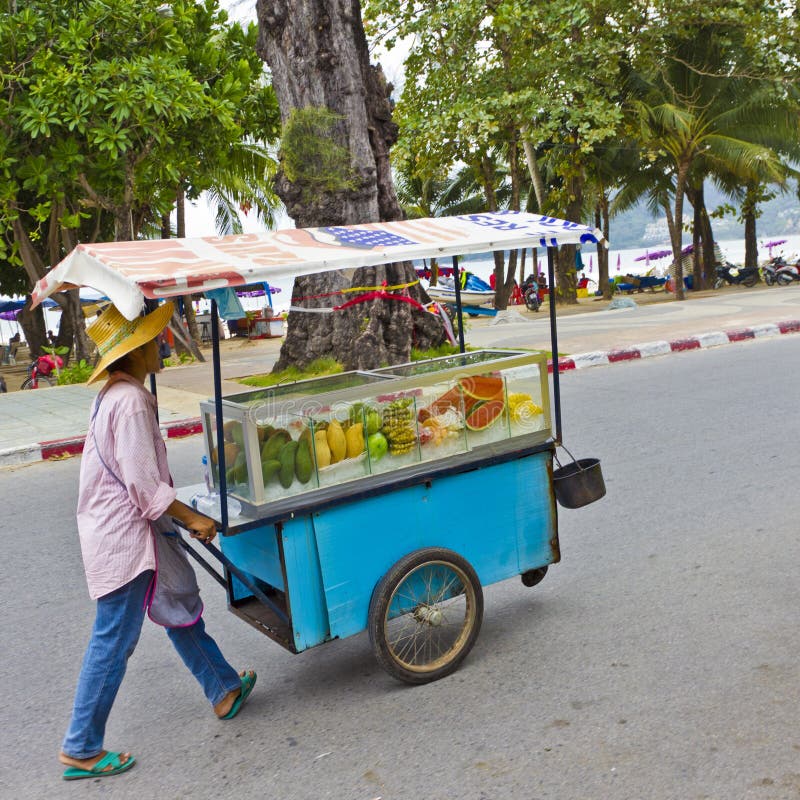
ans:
(469, 297)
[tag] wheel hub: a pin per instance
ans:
(428, 614)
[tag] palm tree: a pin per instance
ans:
(696, 112)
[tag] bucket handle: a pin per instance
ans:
(574, 460)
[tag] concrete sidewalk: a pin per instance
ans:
(48, 423)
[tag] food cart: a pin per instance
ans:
(376, 499)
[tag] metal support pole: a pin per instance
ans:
(551, 280)
(459, 310)
(223, 484)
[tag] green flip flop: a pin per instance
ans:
(248, 682)
(99, 769)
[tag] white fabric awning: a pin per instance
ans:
(129, 272)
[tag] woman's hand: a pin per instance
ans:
(199, 525)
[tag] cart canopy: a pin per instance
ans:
(129, 272)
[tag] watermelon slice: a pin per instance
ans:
(482, 387)
(485, 414)
(450, 399)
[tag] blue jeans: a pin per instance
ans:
(117, 626)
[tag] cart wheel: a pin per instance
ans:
(533, 576)
(425, 615)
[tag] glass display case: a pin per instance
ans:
(298, 437)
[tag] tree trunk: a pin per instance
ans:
(602, 221)
(676, 229)
(533, 169)
(707, 244)
(32, 323)
(749, 213)
(566, 275)
(318, 56)
(696, 199)
(188, 308)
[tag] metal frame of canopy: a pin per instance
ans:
(138, 273)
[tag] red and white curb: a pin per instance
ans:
(702, 341)
(73, 446)
(60, 448)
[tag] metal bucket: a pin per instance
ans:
(579, 483)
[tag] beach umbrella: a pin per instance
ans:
(619, 261)
(770, 245)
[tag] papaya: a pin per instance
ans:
(273, 445)
(227, 429)
(321, 449)
(286, 458)
(336, 441)
(354, 439)
(269, 469)
(264, 432)
(450, 399)
(486, 414)
(303, 466)
(240, 468)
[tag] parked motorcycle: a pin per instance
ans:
(733, 275)
(789, 273)
(530, 293)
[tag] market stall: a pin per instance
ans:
(383, 499)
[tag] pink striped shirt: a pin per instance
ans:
(114, 522)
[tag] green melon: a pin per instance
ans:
(485, 415)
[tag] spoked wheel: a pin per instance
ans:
(41, 380)
(425, 615)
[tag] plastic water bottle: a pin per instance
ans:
(211, 505)
(207, 476)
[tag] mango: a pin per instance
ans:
(227, 429)
(269, 469)
(336, 441)
(286, 458)
(321, 449)
(274, 444)
(354, 439)
(303, 466)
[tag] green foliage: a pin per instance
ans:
(316, 369)
(75, 373)
(445, 349)
(109, 105)
(310, 155)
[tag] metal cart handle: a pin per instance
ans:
(220, 556)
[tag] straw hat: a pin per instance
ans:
(116, 336)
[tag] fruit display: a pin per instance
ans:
(282, 442)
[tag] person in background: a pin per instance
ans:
(125, 487)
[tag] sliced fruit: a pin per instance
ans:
(485, 415)
(450, 399)
(482, 387)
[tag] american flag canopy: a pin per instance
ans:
(129, 272)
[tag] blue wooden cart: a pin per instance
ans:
(403, 555)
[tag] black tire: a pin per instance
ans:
(40, 379)
(769, 278)
(531, 301)
(784, 280)
(750, 280)
(433, 580)
(719, 283)
(533, 576)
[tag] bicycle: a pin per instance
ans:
(40, 370)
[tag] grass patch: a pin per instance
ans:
(316, 369)
(445, 349)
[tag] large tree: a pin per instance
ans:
(110, 110)
(335, 170)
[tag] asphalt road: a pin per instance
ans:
(659, 660)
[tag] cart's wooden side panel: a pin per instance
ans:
(304, 579)
(285, 558)
(500, 518)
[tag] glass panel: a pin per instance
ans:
(528, 409)
(396, 444)
(441, 420)
(313, 386)
(446, 362)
